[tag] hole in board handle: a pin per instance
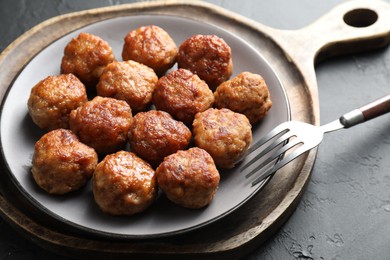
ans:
(360, 18)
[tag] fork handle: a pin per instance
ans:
(371, 110)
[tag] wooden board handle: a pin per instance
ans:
(353, 26)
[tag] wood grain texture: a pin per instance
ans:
(376, 108)
(240, 232)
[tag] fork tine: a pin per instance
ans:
(300, 150)
(275, 155)
(277, 130)
(286, 135)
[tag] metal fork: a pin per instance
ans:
(297, 137)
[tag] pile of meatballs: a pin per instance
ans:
(136, 126)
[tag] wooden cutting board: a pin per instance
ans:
(351, 27)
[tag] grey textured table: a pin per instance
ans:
(345, 211)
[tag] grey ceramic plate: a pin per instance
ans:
(18, 135)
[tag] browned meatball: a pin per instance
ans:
(182, 94)
(85, 57)
(53, 98)
(188, 178)
(130, 81)
(208, 56)
(247, 94)
(102, 123)
(226, 135)
(152, 46)
(124, 184)
(155, 135)
(61, 163)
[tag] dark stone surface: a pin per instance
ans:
(345, 211)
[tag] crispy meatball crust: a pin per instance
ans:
(102, 123)
(124, 184)
(130, 81)
(247, 94)
(182, 94)
(208, 56)
(224, 134)
(61, 163)
(188, 178)
(85, 57)
(152, 46)
(53, 98)
(155, 135)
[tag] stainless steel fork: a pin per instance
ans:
(291, 139)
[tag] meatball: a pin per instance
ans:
(208, 56)
(53, 98)
(188, 178)
(61, 163)
(247, 94)
(182, 94)
(102, 123)
(225, 134)
(130, 81)
(155, 135)
(152, 46)
(124, 184)
(85, 57)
